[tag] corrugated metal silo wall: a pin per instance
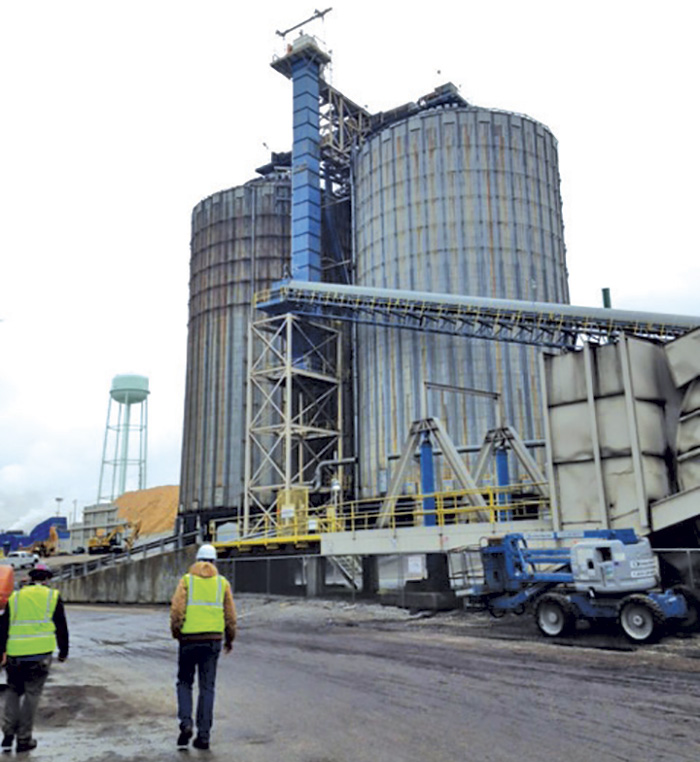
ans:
(454, 200)
(240, 244)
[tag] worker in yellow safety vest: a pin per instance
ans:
(202, 618)
(31, 628)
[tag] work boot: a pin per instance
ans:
(26, 745)
(200, 743)
(7, 741)
(183, 739)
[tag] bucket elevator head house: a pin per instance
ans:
(435, 195)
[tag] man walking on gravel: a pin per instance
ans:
(31, 627)
(202, 618)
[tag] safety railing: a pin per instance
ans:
(103, 561)
(441, 509)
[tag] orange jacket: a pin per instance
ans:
(178, 608)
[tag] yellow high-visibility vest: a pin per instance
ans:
(205, 604)
(32, 630)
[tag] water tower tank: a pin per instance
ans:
(461, 200)
(129, 389)
(240, 245)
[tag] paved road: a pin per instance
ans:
(316, 682)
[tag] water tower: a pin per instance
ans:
(124, 451)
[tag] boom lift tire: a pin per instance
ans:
(555, 615)
(641, 620)
(691, 623)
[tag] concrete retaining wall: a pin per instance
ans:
(147, 580)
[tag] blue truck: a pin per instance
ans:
(589, 575)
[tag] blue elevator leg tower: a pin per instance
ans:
(306, 183)
(436, 563)
(303, 64)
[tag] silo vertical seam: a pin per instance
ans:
(518, 353)
(396, 378)
(540, 219)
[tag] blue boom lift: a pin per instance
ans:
(605, 574)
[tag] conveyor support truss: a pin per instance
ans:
(539, 323)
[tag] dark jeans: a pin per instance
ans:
(25, 681)
(202, 656)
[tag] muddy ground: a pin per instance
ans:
(320, 681)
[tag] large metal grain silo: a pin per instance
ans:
(463, 200)
(240, 245)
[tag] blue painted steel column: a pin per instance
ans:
(503, 480)
(427, 481)
(306, 184)
(436, 563)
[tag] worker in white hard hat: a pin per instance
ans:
(202, 618)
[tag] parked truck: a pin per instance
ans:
(603, 575)
(20, 559)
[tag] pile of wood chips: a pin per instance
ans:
(155, 508)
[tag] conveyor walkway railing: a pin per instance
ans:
(540, 323)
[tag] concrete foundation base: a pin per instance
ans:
(147, 580)
(420, 600)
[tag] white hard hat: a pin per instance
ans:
(206, 553)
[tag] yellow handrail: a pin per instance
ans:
(450, 508)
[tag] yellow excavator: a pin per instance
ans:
(45, 548)
(118, 540)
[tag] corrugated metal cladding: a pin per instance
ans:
(610, 447)
(457, 200)
(683, 357)
(240, 245)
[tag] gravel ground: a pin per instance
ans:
(472, 623)
(334, 681)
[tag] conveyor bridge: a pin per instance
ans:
(540, 323)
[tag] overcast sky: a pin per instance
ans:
(119, 117)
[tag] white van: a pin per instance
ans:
(20, 559)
